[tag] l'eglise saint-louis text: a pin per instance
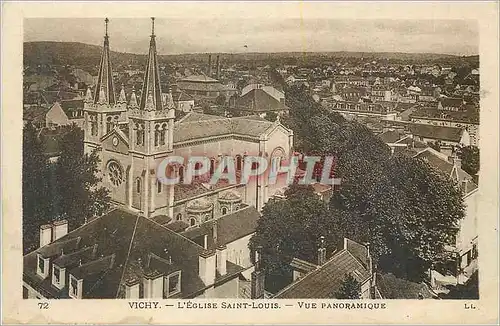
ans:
(227, 305)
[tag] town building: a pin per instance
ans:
(360, 109)
(259, 99)
(465, 249)
(202, 87)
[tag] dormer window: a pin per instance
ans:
(75, 287)
(172, 284)
(42, 266)
(57, 275)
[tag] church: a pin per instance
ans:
(134, 133)
(158, 240)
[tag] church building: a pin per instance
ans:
(133, 134)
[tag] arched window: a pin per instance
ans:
(138, 185)
(159, 186)
(192, 221)
(238, 162)
(163, 131)
(157, 135)
(109, 124)
(179, 217)
(181, 174)
(212, 167)
(224, 210)
(115, 173)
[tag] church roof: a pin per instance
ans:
(105, 91)
(195, 126)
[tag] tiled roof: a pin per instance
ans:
(35, 113)
(451, 102)
(124, 247)
(390, 136)
(436, 132)
(195, 126)
(230, 227)
(323, 282)
(259, 101)
(391, 287)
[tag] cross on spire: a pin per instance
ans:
(152, 26)
(106, 24)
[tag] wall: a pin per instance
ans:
(56, 116)
(227, 290)
(238, 252)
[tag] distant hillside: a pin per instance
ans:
(80, 54)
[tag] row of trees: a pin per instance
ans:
(404, 208)
(65, 189)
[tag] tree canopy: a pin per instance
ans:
(403, 207)
(470, 159)
(350, 289)
(66, 189)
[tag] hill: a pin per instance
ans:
(80, 54)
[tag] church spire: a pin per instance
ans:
(105, 87)
(151, 86)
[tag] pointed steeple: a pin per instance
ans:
(151, 86)
(133, 99)
(122, 98)
(105, 77)
(88, 96)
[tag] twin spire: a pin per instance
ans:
(105, 90)
(151, 98)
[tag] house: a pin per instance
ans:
(123, 255)
(324, 279)
(451, 104)
(361, 109)
(259, 99)
(65, 112)
(352, 94)
(392, 287)
(466, 244)
(380, 93)
(468, 120)
(447, 136)
(202, 87)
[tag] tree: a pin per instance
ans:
(35, 188)
(470, 159)
(271, 116)
(292, 228)
(350, 288)
(407, 210)
(77, 195)
(436, 145)
(220, 100)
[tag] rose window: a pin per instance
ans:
(115, 173)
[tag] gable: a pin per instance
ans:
(116, 141)
(56, 115)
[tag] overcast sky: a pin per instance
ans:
(174, 36)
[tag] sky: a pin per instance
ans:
(226, 34)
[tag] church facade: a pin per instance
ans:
(133, 133)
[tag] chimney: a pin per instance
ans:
(369, 258)
(209, 65)
(206, 266)
(59, 229)
(214, 230)
(217, 67)
(153, 285)
(257, 277)
(221, 259)
(321, 251)
(45, 234)
(132, 289)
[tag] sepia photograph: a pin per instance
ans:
(244, 161)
